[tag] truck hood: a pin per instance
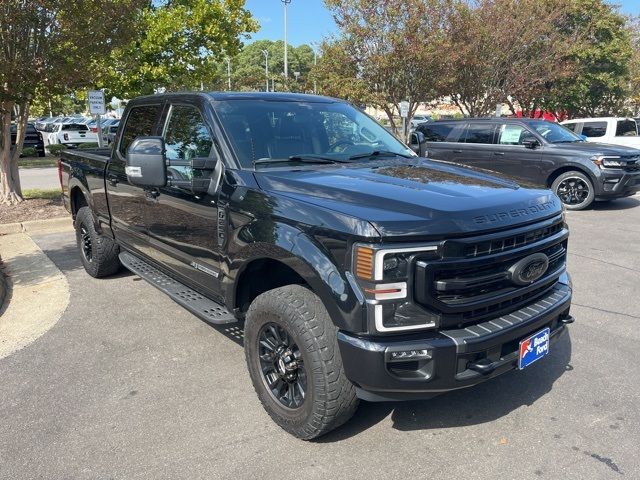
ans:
(415, 197)
(594, 148)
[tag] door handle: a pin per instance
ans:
(113, 180)
(499, 153)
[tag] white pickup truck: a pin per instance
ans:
(71, 134)
(613, 130)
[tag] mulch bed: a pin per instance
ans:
(35, 209)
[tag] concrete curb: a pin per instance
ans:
(39, 293)
(51, 225)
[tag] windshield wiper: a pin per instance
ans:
(307, 158)
(379, 153)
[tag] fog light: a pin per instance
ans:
(405, 355)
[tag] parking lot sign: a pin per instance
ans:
(96, 102)
(404, 109)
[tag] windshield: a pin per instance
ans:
(263, 130)
(554, 133)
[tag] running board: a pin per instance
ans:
(200, 306)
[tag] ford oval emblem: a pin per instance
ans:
(529, 269)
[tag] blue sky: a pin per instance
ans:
(309, 20)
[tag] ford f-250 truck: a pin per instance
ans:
(359, 270)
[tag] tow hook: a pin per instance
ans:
(567, 319)
(484, 366)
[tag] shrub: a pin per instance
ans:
(85, 146)
(56, 149)
(29, 152)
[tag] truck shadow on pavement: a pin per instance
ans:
(483, 403)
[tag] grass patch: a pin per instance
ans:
(33, 193)
(37, 162)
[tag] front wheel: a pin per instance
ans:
(574, 189)
(293, 358)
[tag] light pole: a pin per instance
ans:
(315, 74)
(266, 67)
(286, 64)
(228, 60)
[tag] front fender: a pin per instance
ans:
(309, 259)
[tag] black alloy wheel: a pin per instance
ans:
(573, 191)
(282, 365)
(86, 244)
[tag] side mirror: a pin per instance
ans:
(531, 143)
(146, 164)
(417, 139)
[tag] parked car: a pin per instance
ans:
(358, 269)
(71, 134)
(418, 119)
(42, 124)
(110, 132)
(104, 124)
(537, 152)
(32, 138)
(612, 130)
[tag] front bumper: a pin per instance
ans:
(456, 358)
(616, 183)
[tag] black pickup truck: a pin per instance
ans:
(359, 270)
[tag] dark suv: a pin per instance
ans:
(535, 151)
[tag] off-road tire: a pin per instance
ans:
(330, 398)
(103, 260)
(578, 176)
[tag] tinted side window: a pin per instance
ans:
(594, 129)
(140, 122)
(436, 131)
(572, 126)
(626, 128)
(478, 133)
(187, 135)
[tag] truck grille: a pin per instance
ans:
(478, 284)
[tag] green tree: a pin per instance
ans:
(179, 47)
(504, 51)
(53, 46)
(397, 48)
(601, 52)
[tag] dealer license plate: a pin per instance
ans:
(533, 348)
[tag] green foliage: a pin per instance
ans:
(87, 146)
(52, 194)
(248, 68)
(56, 148)
(601, 57)
(179, 46)
(29, 151)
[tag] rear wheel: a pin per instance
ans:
(294, 362)
(574, 189)
(99, 253)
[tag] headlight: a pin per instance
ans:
(383, 275)
(604, 161)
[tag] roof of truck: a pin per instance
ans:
(272, 96)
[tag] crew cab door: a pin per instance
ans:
(128, 202)
(514, 155)
(183, 225)
(475, 146)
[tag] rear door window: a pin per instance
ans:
(594, 129)
(626, 128)
(480, 132)
(141, 122)
(436, 131)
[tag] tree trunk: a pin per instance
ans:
(10, 189)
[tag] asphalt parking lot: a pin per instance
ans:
(127, 385)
